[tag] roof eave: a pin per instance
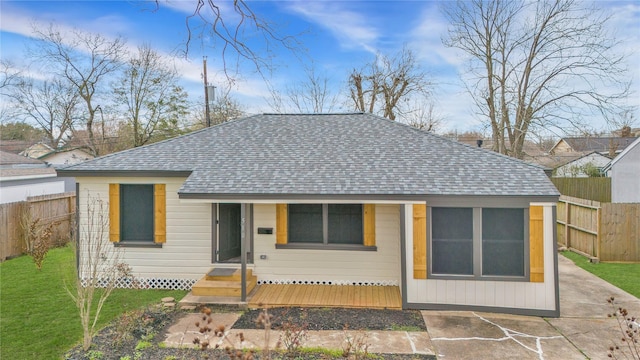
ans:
(122, 173)
(393, 198)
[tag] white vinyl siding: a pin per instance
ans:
(187, 251)
(381, 266)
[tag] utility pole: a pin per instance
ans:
(206, 92)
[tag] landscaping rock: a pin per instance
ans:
(168, 299)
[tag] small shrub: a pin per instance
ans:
(139, 324)
(206, 329)
(630, 334)
(143, 345)
(95, 355)
(292, 337)
(356, 346)
(36, 238)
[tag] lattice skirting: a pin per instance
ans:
(330, 282)
(149, 283)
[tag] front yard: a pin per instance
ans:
(38, 320)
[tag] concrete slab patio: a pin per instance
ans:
(583, 330)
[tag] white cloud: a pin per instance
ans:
(426, 39)
(352, 29)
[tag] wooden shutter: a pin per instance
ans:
(419, 241)
(114, 212)
(370, 225)
(536, 244)
(160, 213)
(281, 224)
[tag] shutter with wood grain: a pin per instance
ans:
(160, 213)
(536, 244)
(370, 225)
(114, 212)
(419, 241)
(281, 224)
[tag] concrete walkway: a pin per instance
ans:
(583, 330)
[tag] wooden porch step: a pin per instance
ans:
(224, 282)
(223, 274)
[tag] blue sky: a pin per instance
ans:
(337, 35)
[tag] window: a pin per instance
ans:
(503, 239)
(452, 241)
(136, 213)
(305, 223)
(478, 242)
(325, 224)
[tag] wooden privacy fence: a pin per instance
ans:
(605, 231)
(592, 188)
(56, 209)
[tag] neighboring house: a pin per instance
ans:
(583, 165)
(14, 146)
(334, 199)
(624, 171)
(46, 153)
(603, 145)
(21, 177)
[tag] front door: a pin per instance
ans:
(229, 222)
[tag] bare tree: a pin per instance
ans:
(85, 60)
(50, 104)
(537, 64)
(424, 116)
(381, 85)
(149, 94)
(99, 266)
(9, 78)
(234, 29)
(311, 95)
(223, 108)
(9, 75)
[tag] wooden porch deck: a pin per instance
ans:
(348, 296)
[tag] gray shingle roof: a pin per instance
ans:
(333, 154)
(600, 144)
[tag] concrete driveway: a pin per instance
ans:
(582, 331)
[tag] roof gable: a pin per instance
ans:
(332, 154)
(627, 150)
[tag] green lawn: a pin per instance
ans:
(624, 276)
(37, 317)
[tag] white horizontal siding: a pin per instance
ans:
(187, 252)
(382, 265)
(501, 294)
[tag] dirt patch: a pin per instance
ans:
(337, 319)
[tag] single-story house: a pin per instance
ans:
(336, 199)
(583, 165)
(22, 177)
(63, 156)
(624, 171)
(606, 145)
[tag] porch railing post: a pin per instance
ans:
(243, 253)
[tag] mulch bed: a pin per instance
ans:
(336, 319)
(149, 325)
